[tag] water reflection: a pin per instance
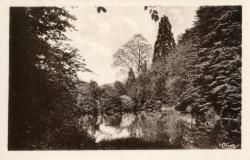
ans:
(147, 126)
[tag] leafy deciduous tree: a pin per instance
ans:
(133, 54)
(42, 78)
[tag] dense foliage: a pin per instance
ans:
(164, 45)
(214, 83)
(200, 77)
(42, 80)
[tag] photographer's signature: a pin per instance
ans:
(228, 146)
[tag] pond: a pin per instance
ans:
(136, 130)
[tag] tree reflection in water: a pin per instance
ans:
(145, 126)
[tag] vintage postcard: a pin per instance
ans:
(121, 80)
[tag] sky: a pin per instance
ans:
(99, 36)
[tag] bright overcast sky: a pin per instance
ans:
(100, 35)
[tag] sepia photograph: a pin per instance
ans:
(125, 77)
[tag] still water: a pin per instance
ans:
(161, 128)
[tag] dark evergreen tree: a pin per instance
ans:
(164, 45)
(221, 73)
(144, 80)
(131, 79)
(216, 78)
(130, 84)
(144, 68)
(183, 66)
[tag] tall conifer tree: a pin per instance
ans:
(220, 63)
(216, 76)
(130, 84)
(164, 45)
